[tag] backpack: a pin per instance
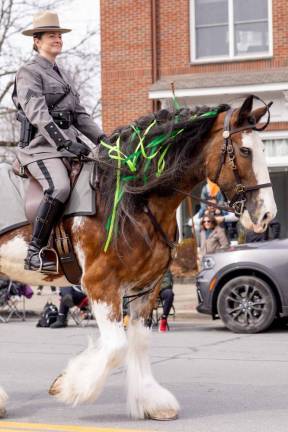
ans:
(48, 315)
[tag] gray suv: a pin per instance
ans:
(246, 286)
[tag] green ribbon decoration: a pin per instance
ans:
(160, 145)
(117, 196)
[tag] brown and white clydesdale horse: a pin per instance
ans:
(188, 146)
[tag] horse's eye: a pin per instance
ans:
(245, 151)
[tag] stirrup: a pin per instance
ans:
(53, 251)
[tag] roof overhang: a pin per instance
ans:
(215, 91)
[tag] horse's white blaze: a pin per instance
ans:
(3, 400)
(266, 205)
(145, 396)
(12, 255)
(85, 375)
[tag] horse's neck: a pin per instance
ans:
(164, 207)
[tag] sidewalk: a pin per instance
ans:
(185, 301)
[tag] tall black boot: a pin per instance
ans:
(49, 213)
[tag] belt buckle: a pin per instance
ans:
(239, 188)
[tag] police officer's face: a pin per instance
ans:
(50, 44)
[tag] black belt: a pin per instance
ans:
(63, 119)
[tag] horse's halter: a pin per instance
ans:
(238, 200)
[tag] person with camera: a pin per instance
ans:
(51, 117)
(212, 235)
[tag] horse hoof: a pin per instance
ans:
(3, 412)
(166, 415)
(55, 387)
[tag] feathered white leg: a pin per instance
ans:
(146, 398)
(85, 375)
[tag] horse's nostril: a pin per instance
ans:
(266, 216)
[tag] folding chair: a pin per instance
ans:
(81, 313)
(11, 304)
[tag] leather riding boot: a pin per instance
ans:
(49, 213)
(60, 322)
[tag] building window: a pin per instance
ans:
(230, 29)
(276, 151)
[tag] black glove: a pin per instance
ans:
(77, 148)
(102, 137)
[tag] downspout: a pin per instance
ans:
(154, 66)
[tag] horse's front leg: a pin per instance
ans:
(146, 397)
(3, 400)
(85, 375)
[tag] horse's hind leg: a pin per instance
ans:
(85, 375)
(3, 400)
(146, 398)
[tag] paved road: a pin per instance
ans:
(223, 381)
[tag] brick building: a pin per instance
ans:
(213, 50)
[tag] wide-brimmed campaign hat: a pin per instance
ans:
(45, 21)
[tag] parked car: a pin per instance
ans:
(246, 286)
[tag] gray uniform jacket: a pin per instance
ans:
(38, 86)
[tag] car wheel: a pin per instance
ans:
(246, 304)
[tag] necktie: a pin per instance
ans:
(56, 69)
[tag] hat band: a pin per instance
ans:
(43, 27)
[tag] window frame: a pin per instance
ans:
(280, 161)
(231, 57)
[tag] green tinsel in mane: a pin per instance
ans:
(149, 154)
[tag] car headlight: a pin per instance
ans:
(207, 263)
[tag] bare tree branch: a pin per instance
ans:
(5, 73)
(6, 89)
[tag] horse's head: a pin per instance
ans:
(236, 162)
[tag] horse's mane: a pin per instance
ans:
(127, 175)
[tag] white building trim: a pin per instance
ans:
(214, 91)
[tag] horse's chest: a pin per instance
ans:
(150, 264)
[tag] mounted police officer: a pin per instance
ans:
(51, 116)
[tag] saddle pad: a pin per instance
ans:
(12, 190)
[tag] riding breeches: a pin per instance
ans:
(53, 177)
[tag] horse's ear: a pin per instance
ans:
(258, 113)
(244, 111)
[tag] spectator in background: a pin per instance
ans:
(16, 288)
(212, 236)
(40, 289)
(70, 296)
(272, 233)
(166, 296)
(211, 192)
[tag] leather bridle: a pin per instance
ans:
(238, 201)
